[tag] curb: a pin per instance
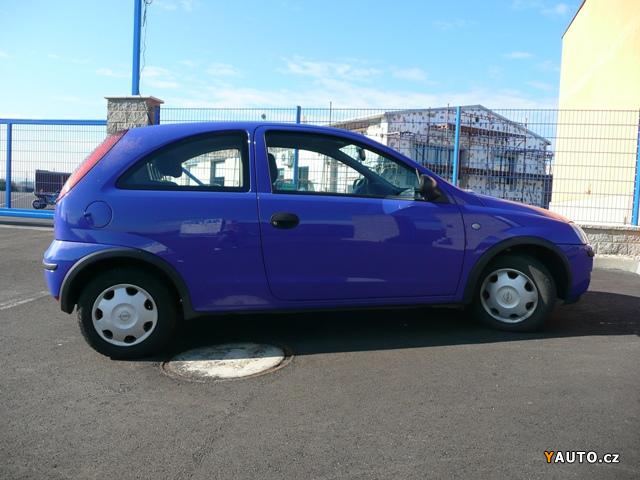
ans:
(615, 262)
(27, 222)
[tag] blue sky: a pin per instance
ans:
(59, 59)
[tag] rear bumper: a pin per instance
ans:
(580, 258)
(60, 257)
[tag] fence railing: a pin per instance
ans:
(38, 155)
(584, 164)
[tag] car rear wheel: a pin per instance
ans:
(516, 293)
(127, 313)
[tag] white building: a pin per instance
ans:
(498, 156)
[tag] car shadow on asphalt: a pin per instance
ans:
(309, 333)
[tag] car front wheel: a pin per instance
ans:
(516, 293)
(127, 313)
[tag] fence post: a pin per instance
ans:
(7, 176)
(636, 185)
(456, 148)
(296, 152)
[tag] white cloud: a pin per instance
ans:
(517, 55)
(347, 84)
(451, 24)
(166, 5)
(187, 4)
(548, 8)
(413, 74)
(172, 5)
(546, 87)
(3, 54)
(348, 95)
(189, 63)
(222, 70)
(559, 10)
(76, 100)
(548, 66)
(158, 77)
(74, 60)
(328, 71)
(107, 72)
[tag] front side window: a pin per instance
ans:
(216, 162)
(323, 164)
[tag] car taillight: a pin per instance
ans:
(93, 158)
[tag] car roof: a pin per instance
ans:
(155, 136)
(198, 127)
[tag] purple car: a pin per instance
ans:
(172, 222)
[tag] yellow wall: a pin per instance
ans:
(601, 57)
(595, 151)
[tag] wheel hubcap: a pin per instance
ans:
(124, 315)
(509, 296)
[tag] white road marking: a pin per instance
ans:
(15, 302)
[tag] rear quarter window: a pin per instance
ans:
(212, 162)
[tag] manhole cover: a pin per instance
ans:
(227, 361)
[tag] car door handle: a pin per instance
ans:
(284, 220)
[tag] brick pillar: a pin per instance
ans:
(131, 111)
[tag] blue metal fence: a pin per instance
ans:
(582, 164)
(36, 151)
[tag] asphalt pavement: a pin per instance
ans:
(414, 393)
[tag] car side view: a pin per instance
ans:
(171, 222)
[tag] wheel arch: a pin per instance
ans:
(545, 251)
(112, 258)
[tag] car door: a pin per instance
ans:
(194, 204)
(339, 220)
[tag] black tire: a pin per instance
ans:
(544, 283)
(38, 204)
(165, 301)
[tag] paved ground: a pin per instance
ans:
(384, 394)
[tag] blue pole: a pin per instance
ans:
(296, 152)
(7, 177)
(135, 71)
(456, 148)
(24, 213)
(636, 189)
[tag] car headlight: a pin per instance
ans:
(581, 235)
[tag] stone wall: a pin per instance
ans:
(614, 240)
(131, 111)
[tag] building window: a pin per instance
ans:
(433, 155)
(505, 162)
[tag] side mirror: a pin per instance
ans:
(428, 188)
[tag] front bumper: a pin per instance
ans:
(580, 258)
